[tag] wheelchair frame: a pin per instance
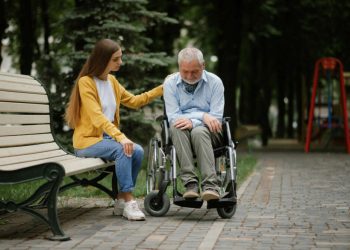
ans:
(162, 170)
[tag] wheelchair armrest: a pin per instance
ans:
(226, 119)
(227, 132)
(160, 118)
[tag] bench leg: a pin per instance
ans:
(44, 197)
(56, 180)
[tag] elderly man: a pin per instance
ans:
(194, 102)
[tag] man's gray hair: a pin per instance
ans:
(190, 54)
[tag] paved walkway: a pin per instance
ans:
(292, 201)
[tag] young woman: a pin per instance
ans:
(93, 113)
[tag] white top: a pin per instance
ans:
(107, 98)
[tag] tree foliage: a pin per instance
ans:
(268, 49)
(56, 37)
(126, 22)
(265, 49)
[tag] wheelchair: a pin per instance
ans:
(162, 172)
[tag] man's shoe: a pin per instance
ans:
(191, 191)
(118, 207)
(132, 211)
(210, 194)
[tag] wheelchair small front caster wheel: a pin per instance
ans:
(227, 212)
(155, 205)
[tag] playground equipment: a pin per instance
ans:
(324, 111)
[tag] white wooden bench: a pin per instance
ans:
(28, 151)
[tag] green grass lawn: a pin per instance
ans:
(19, 192)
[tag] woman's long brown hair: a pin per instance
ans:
(95, 65)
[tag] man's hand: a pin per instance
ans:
(128, 147)
(183, 123)
(213, 124)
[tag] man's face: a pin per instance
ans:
(191, 72)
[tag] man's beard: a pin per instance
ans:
(191, 82)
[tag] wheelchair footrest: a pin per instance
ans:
(193, 203)
(223, 202)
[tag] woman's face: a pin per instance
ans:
(115, 62)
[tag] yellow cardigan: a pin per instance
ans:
(93, 122)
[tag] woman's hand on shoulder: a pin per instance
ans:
(128, 146)
(168, 76)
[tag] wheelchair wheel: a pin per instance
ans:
(152, 165)
(227, 212)
(228, 183)
(155, 206)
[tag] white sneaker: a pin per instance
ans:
(132, 211)
(118, 207)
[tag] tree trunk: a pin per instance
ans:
(27, 36)
(265, 76)
(290, 112)
(46, 24)
(229, 21)
(79, 41)
(244, 79)
(47, 68)
(3, 24)
(299, 103)
(280, 103)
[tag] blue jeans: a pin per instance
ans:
(126, 168)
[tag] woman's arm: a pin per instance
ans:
(136, 101)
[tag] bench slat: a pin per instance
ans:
(24, 119)
(13, 151)
(20, 87)
(21, 140)
(31, 157)
(12, 167)
(24, 107)
(25, 79)
(22, 97)
(81, 165)
(24, 130)
(73, 165)
(9, 74)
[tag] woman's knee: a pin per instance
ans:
(138, 150)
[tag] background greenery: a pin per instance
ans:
(19, 192)
(263, 50)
